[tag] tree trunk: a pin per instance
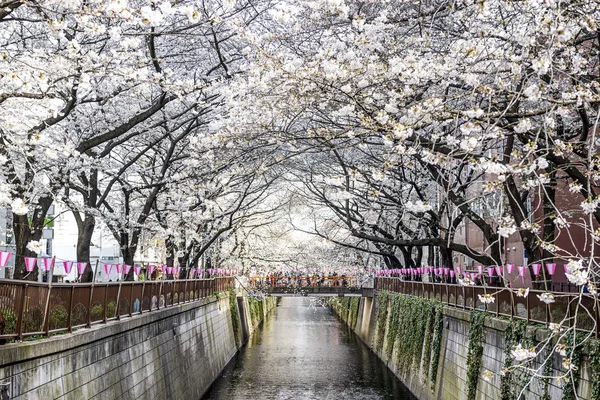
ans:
(23, 235)
(170, 261)
(84, 243)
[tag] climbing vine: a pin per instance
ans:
(514, 334)
(594, 362)
(475, 352)
(570, 386)
(354, 306)
(235, 322)
(436, 346)
(427, 345)
(382, 301)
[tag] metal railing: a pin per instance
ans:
(33, 308)
(299, 281)
(571, 309)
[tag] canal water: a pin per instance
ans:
(303, 351)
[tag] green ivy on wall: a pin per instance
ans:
(235, 321)
(354, 306)
(514, 334)
(382, 307)
(475, 353)
(414, 331)
(570, 387)
(436, 346)
(594, 362)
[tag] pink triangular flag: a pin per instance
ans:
(126, 269)
(522, 273)
(107, 268)
(118, 268)
(169, 270)
(551, 268)
(566, 267)
(451, 274)
(67, 265)
(30, 263)
(458, 269)
(510, 267)
(81, 267)
(480, 269)
(136, 270)
(47, 263)
(499, 270)
(150, 269)
(4, 256)
(536, 268)
(446, 270)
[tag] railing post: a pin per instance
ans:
(105, 304)
(70, 309)
(22, 312)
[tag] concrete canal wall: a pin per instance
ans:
(442, 352)
(174, 353)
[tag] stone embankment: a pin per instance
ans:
(173, 353)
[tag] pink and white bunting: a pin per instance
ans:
(566, 267)
(522, 273)
(551, 268)
(81, 267)
(458, 269)
(4, 256)
(510, 267)
(446, 271)
(451, 274)
(169, 270)
(118, 268)
(48, 262)
(150, 269)
(107, 269)
(499, 270)
(480, 269)
(30, 263)
(491, 271)
(536, 268)
(126, 268)
(137, 269)
(68, 266)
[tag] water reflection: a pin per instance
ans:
(306, 352)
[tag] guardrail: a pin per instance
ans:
(33, 308)
(302, 281)
(571, 309)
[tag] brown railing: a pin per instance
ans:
(33, 308)
(302, 281)
(571, 309)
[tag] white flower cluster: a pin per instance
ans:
(34, 246)
(546, 297)
(486, 298)
(521, 354)
(418, 206)
(578, 273)
(506, 227)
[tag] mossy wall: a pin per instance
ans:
(441, 353)
(174, 353)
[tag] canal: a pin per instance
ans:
(303, 351)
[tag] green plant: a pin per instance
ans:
(514, 334)
(569, 389)
(475, 353)
(382, 306)
(9, 320)
(58, 318)
(96, 312)
(234, 317)
(436, 346)
(111, 307)
(594, 367)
